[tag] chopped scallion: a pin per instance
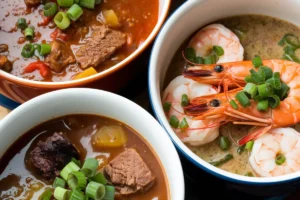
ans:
(95, 190)
(29, 33)
(274, 101)
(167, 106)
(240, 149)
(61, 193)
(199, 60)
(99, 178)
(249, 145)
(50, 9)
(233, 104)
(77, 180)
(224, 143)
(265, 90)
(74, 12)
(58, 182)
(109, 193)
(262, 105)
(190, 54)
(77, 162)
(90, 4)
(90, 167)
(222, 161)
(44, 49)
(251, 89)
(69, 168)
(61, 20)
(76, 195)
(256, 61)
(280, 159)
(46, 195)
(218, 50)
(183, 124)
(21, 23)
(184, 100)
(27, 51)
(174, 122)
(210, 59)
(242, 99)
(268, 72)
(65, 3)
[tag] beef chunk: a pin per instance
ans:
(102, 44)
(129, 173)
(32, 2)
(50, 156)
(60, 57)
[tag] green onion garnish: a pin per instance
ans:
(268, 71)
(99, 178)
(69, 168)
(210, 60)
(280, 159)
(249, 145)
(76, 195)
(90, 167)
(61, 20)
(251, 89)
(74, 12)
(29, 33)
(58, 182)
(292, 40)
(233, 104)
(242, 99)
(199, 60)
(274, 82)
(50, 9)
(46, 195)
(218, 50)
(276, 75)
(167, 106)
(274, 101)
(27, 51)
(44, 49)
(265, 90)
(174, 122)
(256, 61)
(77, 162)
(76, 180)
(21, 23)
(190, 54)
(249, 79)
(61, 193)
(224, 143)
(87, 3)
(241, 149)
(109, 193)
(258, 77)
(98, 1)
(183, 124)
(222, 160)
(65, 3)
(95, 190)
(262, 105)
(283, 91)
(184, 100)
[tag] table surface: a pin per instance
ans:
(199, 185)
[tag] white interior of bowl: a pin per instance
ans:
(89, 101)
(189, 18)
(163, 10)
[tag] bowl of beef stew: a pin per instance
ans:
(95, 144)
(49, 45)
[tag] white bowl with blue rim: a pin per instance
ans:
(187, 19)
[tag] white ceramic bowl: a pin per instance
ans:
(189, 18)
(90, 101)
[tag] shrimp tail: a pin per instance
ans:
(254, 134)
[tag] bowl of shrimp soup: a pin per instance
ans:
(224, 84)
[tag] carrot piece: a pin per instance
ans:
(88, 72)
(39, 65)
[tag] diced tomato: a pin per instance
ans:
(58, 34)
(45, 21)
(39, 65)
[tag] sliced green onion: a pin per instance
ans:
(256, 61)
(50, 9)
(249, 79)
(292, 40)
(95, 190)
(276, 75)
(251, 89)
(90, 167)
(61, 20)
(99, 178)
(76, 195)
(224, 143)
(218, 50)
(233, 104)
(109, 193)
(210, 60)
(241, 149)
(44, 49)
(77, 180)
(257, 77)
(199, 60)
(27, 51)
(58, 182)
(291, 57)
(183, 124)
(283, 91)
(274, 101)
(264, 90)
(174, 122)
(184, 100)
(46, 195)
(274, 82)
(74, 12)
(21, 23)
(167, 106)
(190, 54)
(29, 33)
(61, 193)
(77, 162)
(268, 71)
(65, 3)
(242, 99)
(87, 3)
(69, 168)
(222, 161)
(98, 1)
(263, 105)
(249, 145)
(76, 1)
(280, 159)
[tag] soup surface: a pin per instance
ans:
(259, 35)
(20, 180)
(135, 19)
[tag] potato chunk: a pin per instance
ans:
(109, 136)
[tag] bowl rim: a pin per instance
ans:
(175, 165)
(155, 102)
(74, 83)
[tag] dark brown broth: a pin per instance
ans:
(18, 178)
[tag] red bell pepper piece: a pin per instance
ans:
(39, 65)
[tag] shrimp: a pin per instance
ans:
(195, 134)
(286, 114)
(279, 141)
(217, 34)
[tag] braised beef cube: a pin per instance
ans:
(60, 57)
(129, 173)
(103, 43)
(50, 156)
(32, 2)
